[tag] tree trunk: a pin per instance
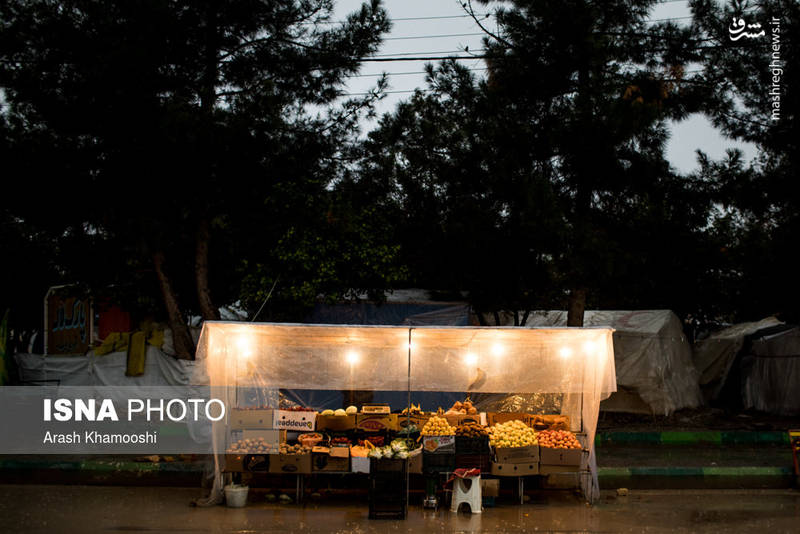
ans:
(577, 303)
(207, 308)
(181, 337)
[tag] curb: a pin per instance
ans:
(695, 477)
(693, 438)
(106, 466)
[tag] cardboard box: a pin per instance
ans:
(290, 420)
(490, 487)
(494, 418)
(338, 461)
(290, 463)
(545, 469)
(514, 470)
(456, 419)
(439, 444)
(253, 419)
(517, 455)
(336, 423)
(376, 408)
(568, 457)
(377, 422)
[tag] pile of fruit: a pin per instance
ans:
(511, 434)
(415, 409)
(340, 441)
(294, 449)
(471, 429)
(463, 408)
(351, 410)
(376, 441)
(437, 426)
(251, 446)
(558, 439)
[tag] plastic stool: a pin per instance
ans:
(467, 490)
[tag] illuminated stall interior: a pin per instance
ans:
(577, 364)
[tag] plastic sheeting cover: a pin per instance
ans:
(714, 356)
(651, 353)
(577, 362)
(773, 373)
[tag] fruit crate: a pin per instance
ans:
(470, 461)
(467, 445)
(433, 463)
(388, 485)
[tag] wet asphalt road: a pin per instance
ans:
(109, 509)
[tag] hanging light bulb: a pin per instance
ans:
(470, 358)
(565, 352)
(244, 346)
(351, 357)
(498, 349)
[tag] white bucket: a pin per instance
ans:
(236, 495)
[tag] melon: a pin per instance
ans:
(351, 410)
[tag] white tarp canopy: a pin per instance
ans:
(653, 358)
(108, 370)
(574, 362)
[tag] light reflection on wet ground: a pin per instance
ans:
(34, 508)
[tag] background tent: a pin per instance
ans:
(653, 358)
(752, 365)
(715, 355)
(773, 373)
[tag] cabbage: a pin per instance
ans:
(402, 455)
(375, 453)
(399, 445)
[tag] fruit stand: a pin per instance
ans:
(248, 363)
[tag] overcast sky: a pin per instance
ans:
(440, 28)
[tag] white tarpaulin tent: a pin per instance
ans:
(576, 362)
(753, 365)
(773, 373)
(714, 356)
(652, 357)
(161, 369)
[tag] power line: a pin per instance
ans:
(408, 73)
(425, 53)
(405, 19)
(433, 36)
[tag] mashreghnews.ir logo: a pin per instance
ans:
(739, 29)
